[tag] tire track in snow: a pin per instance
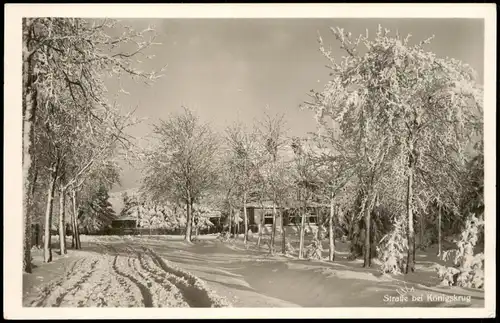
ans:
(56, 291)
(114, 280)
(96, 280)
(121, 292)
(47, 289)
(191, 296)
(131, 263)
(147, 298)
(124, 282)
(76, 286)
(191, 287)
(168, 295)
(96, 296)
(162, 297)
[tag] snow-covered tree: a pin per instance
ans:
(306, 179)
(393, 248)
(226, 194)
(244, 159)
(275, 172)
(64, 64)
(410, 114)
(96, 212)
(469, 266)
(182, 166)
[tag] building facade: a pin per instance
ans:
(262, 213)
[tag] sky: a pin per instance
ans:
(229, 70)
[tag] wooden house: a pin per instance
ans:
(124, 225)
(292, 214)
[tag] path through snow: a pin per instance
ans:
(123, 276)
(133, 271)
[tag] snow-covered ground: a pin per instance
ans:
(164, 271)
(119, 275)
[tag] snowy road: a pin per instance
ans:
(124, 276)
(164, 271)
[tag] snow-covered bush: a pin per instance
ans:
(314, 250)
(202, 214)
(469, 268)
(322, 233)
(393, 248)
(289, 249)
(223, 236)
(310, 229)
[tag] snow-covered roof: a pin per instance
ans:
(126, 218)
(269, 204)
(266, 204)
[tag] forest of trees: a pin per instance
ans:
(167, 217)
(73, 135)
(397, 156)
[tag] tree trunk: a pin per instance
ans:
(439, 232)
(261, 223)
(33, 185)
(331, 238)
(193, 216)
(40, 236)
(261, 227)
(283, 232)
(245, 217)
(29, 113)
(421, 218)
(194, 224)
(233, 219)
(62, 222)
(302, 229)
(259, 237)
(47, 249)
(31, 200)
(410, 264)
(187, 237)
(76, 232)
(273, 228)
(319, 224)
(352, 223)
(230, 219)
(72, 221)
(236, 224)
(367, 248)
(26, 201)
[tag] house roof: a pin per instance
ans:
(126, 218)
(265, 204)
(296, 204)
